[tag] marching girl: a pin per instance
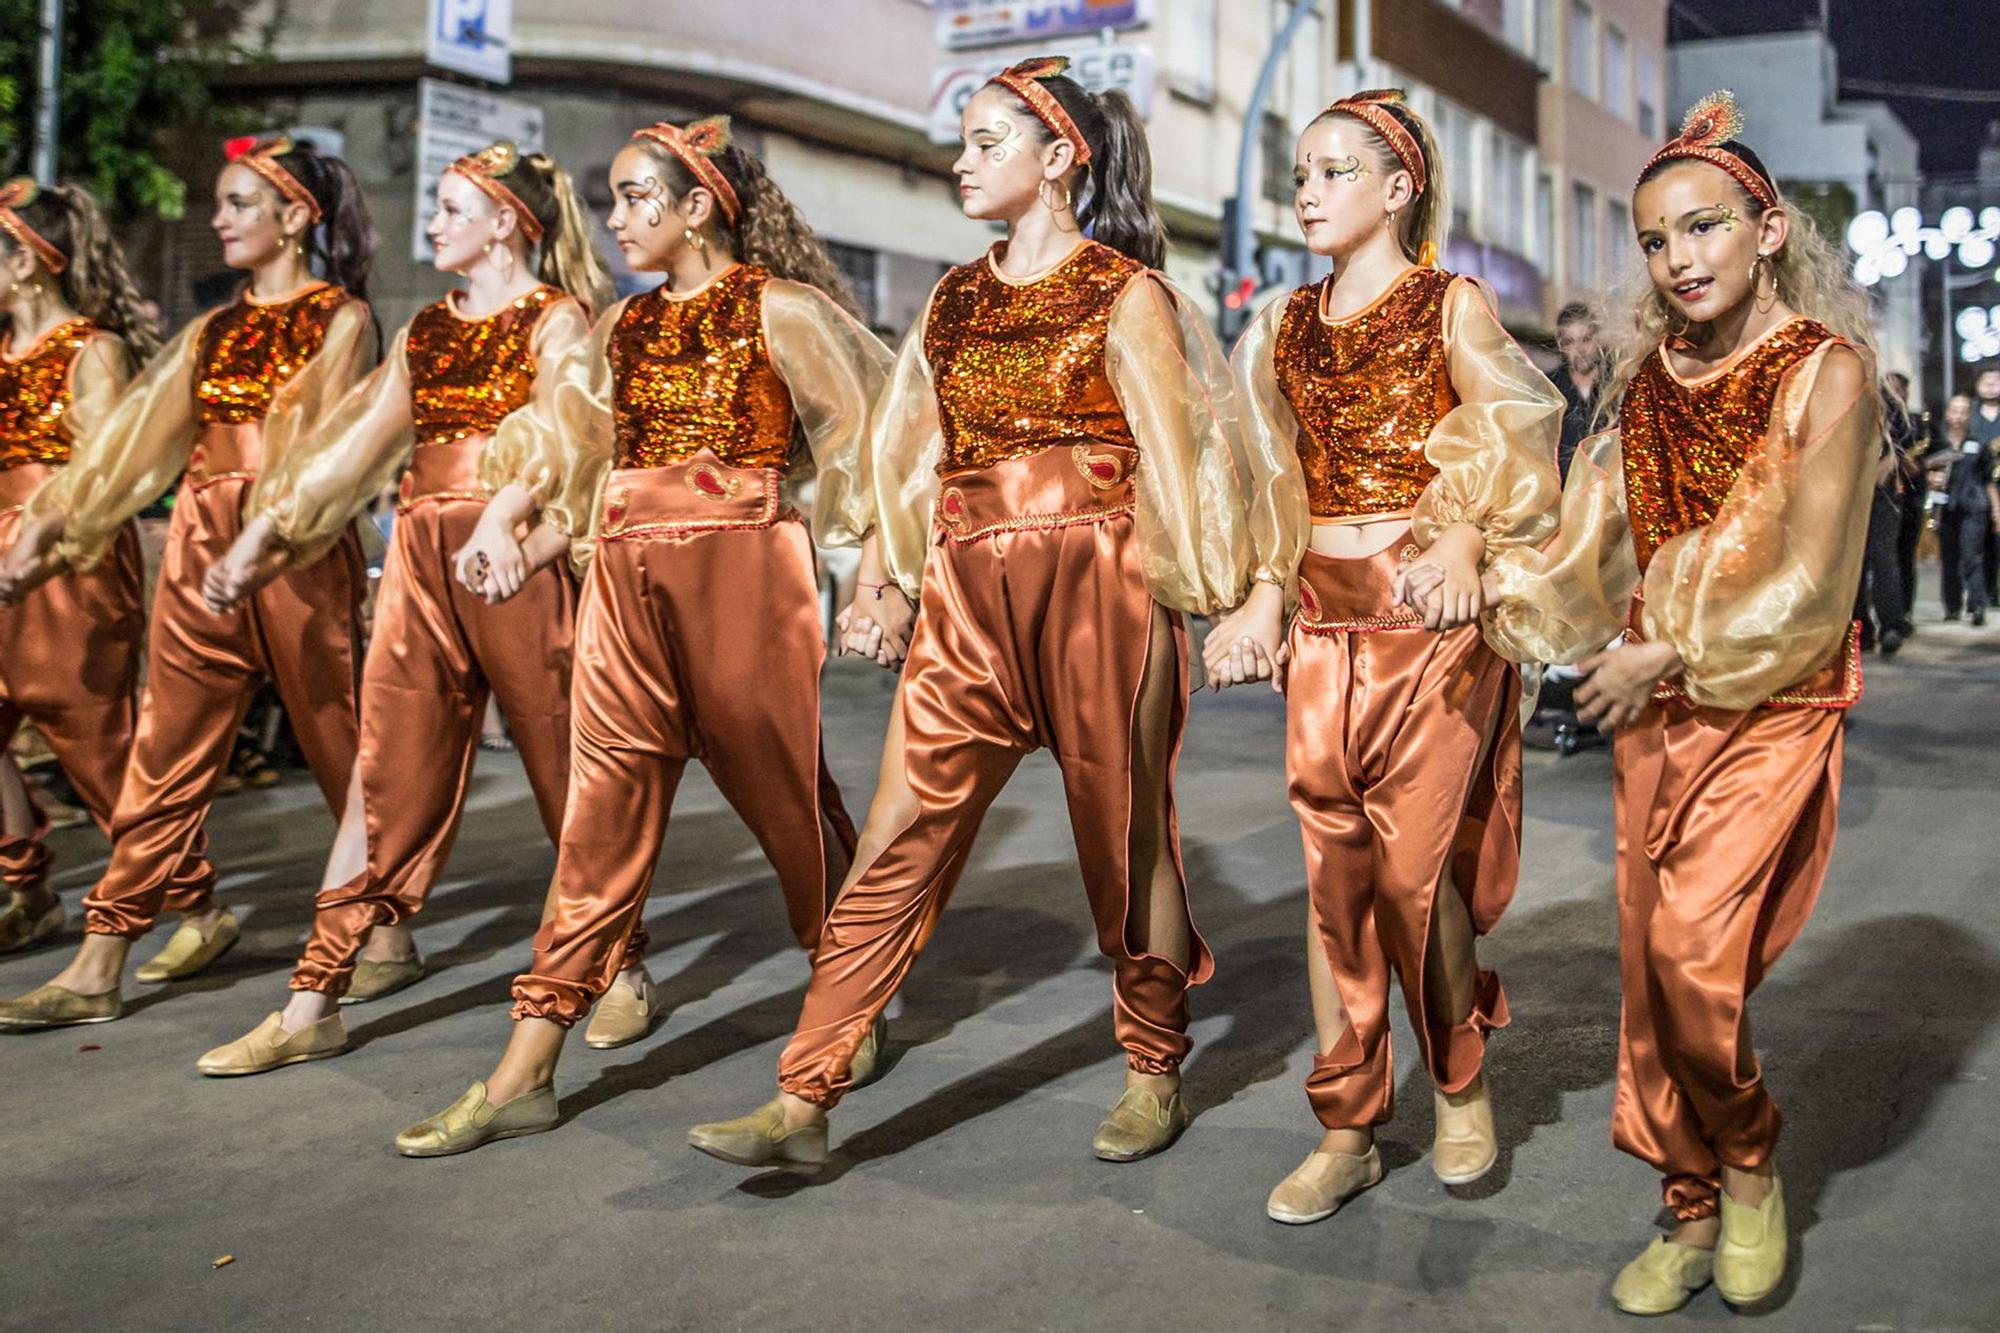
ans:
(69, 649)
(669, 453)
(513, 227)
(1054, 466)
(1423, 441)
(221, 403)
(1733, 497)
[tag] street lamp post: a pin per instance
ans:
(1884, 245)
(1241, 239)
(48, 96)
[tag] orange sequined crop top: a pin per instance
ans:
(696, 372)
(1685, 441)
(1367, 391)
(468, 375)
(1019, 367)
(250, 348)
(35, 396)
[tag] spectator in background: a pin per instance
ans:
(1580, 377)
(1985, 429)
(1878, 603)
(1967, 519)
(1911, 492)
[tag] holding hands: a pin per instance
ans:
(1618, 683)
(1444, 585)
(877, 624)
(33, 560)
(1249, 643)
(253, 560)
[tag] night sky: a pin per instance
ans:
(1940, 43)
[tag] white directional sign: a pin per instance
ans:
(453, 121)
(472, 37)
(1098, 66)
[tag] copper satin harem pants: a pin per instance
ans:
(302, 630)
(69, 662)
(1035, 631)
(1725, 827)
(437, 651)
(698, 638)
(1386, 723)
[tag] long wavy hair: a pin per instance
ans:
(96, 284)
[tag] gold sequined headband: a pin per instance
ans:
(1711, 123)
(485, 168)
(19, 193)
(262, 158)
(1024, 80)
(694, 146)
(1371, 108)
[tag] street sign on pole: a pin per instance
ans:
(1099, 67)
(472, 37)
(453, 121)
(963, 24)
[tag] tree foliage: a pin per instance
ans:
(134, 72)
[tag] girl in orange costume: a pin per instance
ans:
(1055, 466)
(1721, 526)
(514, 228)
(69, 649)
(1422, 440)
(223, 402)
(670, 454)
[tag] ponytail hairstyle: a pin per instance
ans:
(94, 279)
(559, 227)
(340, 245)
(1403, 142)
(762, 226)
(1117, 204)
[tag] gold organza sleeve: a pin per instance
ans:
(1496, 451)
(303, 402)
(1566, 598)
(835, 370)
(330, 474)
(1192, 522)
(559, 448)
(1280, 512)
(1762, 596)
(899, 473)
(97, 379)
(129, 459)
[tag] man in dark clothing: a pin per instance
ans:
(1580, 378)
(1878, 604)
(1967, 519)
(1985, 428)
(1912, 495)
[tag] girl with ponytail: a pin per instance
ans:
(70, 647)
(1053, 479)
(1400, 441)
(224, 402)
(511, 227)
(670, 458)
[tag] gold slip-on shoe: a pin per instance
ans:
(761, 1139)
(624, 1014)
(268, 1046)
(866, 1066)
(188, 953)
(1466, 1146)
(373, 980)
(472, 1120)
(1138, 1126)
(21, 930)
(1662, 1278)
(1750, 1257)
(51, 1006)
(1323, 1182)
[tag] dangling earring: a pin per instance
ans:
(695, 239)
(1758, 267)
(1068, 200)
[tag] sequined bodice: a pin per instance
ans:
(696, 373)
(1020, 366)
(1684, 443)
(467, 375)
(1367, 392)
(248, 349)
(34, 397)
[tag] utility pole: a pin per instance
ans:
(48, 95)
(1240, 242)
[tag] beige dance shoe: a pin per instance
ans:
(374, 980)
(1663, 1278)
(1466, 1146)
(624, 1014)
(1138, 1126)
(866, 1066)
(268, 1046)
(1750, 1257)
(51, 1006)
(187, 953)
(472, 1121)
(20, 929)
(1323, 1182)
(761, 1139)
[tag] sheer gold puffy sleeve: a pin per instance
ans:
(835, 370)
(1191, 522)
(1496, 451)
(97, 379)
(301, 403)
(1280, 512)
(899, 471)
(1566, 598)
(129, 459)
(559, 448)
(1762, 597)
(328, 475)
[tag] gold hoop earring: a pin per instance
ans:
(1760, 266)
(695, 239)
(1068, 203)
